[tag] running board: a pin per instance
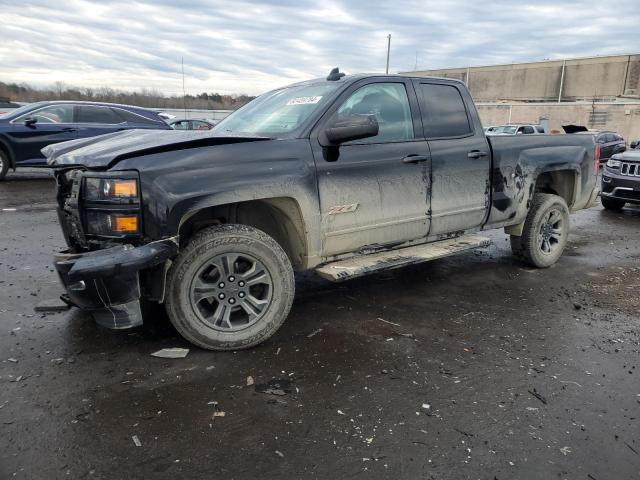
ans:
(364, 264)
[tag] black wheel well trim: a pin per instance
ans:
(4, 146)
(563, 181)
(288, 227)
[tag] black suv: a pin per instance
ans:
(621, 179)
(26, 130)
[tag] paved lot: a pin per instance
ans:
(529, 374)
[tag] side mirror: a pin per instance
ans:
(30, 121)
(633, 145)
(355, 127)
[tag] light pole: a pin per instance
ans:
(388, 52)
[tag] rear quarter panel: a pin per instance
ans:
(518, 161)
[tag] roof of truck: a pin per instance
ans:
(358, 76)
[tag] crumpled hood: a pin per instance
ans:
(105, 150)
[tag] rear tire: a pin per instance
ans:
(612, 203)
(4, 165)
(545, 234)
(231, 288)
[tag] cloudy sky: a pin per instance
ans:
(249, 47)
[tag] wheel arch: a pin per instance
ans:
(4, 146)
(565, 183)
(279, 217)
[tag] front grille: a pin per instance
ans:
(68, 195)
(630, 169)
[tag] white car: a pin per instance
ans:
(517, 129)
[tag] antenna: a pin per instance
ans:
(184, 95)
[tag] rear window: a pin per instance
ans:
(127, 116)
(95, 114)
(445, 114)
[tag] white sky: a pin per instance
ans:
(250, 47)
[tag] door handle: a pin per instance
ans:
(415, 159)
(476, 154)
(69, 129)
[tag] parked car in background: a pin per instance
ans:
(610, 142)
(621, 180)
(185, 124)
(167, 117)
(6, 105)
(28, 129)
(516, 129)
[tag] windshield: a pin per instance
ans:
(505, 129)
(279, 112)
(18, 111)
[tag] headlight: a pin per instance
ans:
(611, 163)
(112, 224)
(110, 189)
(111, 204)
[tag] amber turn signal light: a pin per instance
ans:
(124, 224)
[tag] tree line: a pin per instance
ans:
(144, 97)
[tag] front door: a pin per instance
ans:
(53, 124)
(460, 158)
(376, 192)
(94, 120)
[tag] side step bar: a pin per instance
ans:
(362, 265)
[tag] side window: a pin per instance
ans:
(181, 125)
(127, 116)
(527, 130)
(445, 115)
(389, 103)
(52, 114)
(95, 114)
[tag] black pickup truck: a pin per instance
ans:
(345, 175)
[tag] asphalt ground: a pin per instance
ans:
(473, 367)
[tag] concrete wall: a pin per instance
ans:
(623, 118)
(584, 78)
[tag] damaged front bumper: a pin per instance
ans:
(107, 282)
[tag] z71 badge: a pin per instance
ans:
(343, 209)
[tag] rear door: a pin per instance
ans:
(460, 157)
(54, 124)
(93, 120)
(375, 191)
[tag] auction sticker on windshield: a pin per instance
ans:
(304, 100)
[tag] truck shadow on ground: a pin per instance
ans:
(426, 288)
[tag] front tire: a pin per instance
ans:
(4, 165)
(231, 288)
(612, 203)
(546, 231)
